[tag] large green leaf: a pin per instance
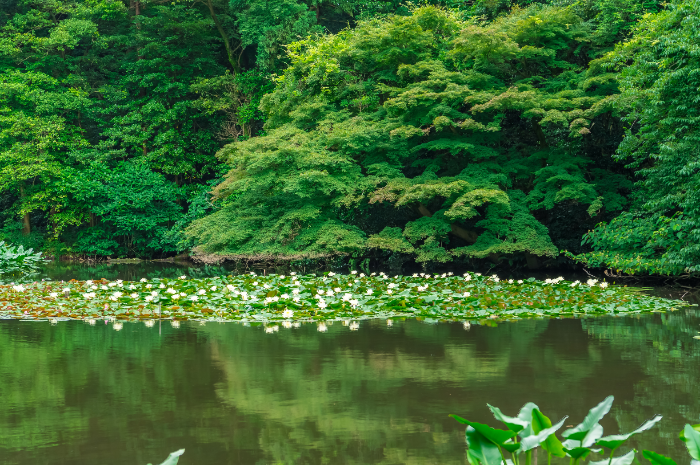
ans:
(581, 449)
(480, 449)
(513, 423)
(580, 431)
(616, 440)
(497, 436)
(657, 459)
(544, 436)
(695, 427)
(692, 441)
(173, 457)
(626, 459)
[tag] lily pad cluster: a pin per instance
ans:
(330, 296)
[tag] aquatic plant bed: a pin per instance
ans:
(329, 296)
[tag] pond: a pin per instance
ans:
(73, 393)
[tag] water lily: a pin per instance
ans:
(149, 298)
(183, 277)
(369, 291)
(390, 322)
(354, 303)
(287, 313)
(354, 326)
(322, 328)
(53, 294)
(287, 324)
(603, 285)
(175, 324)
(143, 280)
(117, 326)
(467, 325)
(149, 323)
(91, 322)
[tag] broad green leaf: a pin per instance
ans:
(525, 414)
(481, 449)
(497, 436)
(682, 435)
(692, 441)
(616, 440)
(578, 452)
(657, 459)
(544, 436)
(626, 459)
(173, 457)
(513, 423)
(594, 416)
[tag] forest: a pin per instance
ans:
(530, 134)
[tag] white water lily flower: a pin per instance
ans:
(268, 300)
(154, 293)
(162, 286)
(94, 288)
(183, 277)
(467, 325)
(269, 329)
(466, 294)
(603, 285)
(390, 322)
(213, 288)
(354, 303)
(477, 274)
(194, 298)
(322, 305)
(347, 297)
(510, 281)
(285, 296)
(171, 291)
(322, 328)
(134, 295)
(91, 322)
(266, 286)
(331, 274)
(149, 298)
(591, 282)
(143, 280)
(104, 288)
(175, 324)
(287, 324)
(392, 285)
(444, 275)
(149, 323)
(175, 296)
(53, 294)
(353, 272)
(132, 287)
(520, 281)
(337, 289)
(287, 313)
(117, 326)
(201, 292)
(362, 275)
(329, 293)
(296, 299)
(112, 284)
(255, 283)
(354, 326)
(389, 291)
(117, 294)
(467, 277)
(450, 273)
(295, 291)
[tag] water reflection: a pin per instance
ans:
(356, 392)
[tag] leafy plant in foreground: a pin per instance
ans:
(487, 445)
(173, 457)
(17, 259)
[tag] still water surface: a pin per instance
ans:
(231, 394)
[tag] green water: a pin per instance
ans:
(230, 394)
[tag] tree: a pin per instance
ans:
(468, 128)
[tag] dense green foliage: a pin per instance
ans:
(659, 78)
(485, 130)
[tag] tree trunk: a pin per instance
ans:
(26, 223)
(227, 42)
(466, 234)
